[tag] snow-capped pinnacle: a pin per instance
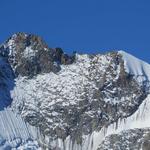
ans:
(136, 67)
(18, 42)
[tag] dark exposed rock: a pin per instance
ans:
(29, 55)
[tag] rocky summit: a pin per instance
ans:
(53, 101)
(29, 55)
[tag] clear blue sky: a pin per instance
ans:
(87, 26)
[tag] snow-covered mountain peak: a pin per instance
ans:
(136, 67)
(21, 41)
(73, 102)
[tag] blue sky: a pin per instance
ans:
(87, 26)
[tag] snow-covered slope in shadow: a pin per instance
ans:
(6, 83)
(14, 132)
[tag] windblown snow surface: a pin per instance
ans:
(16, 134)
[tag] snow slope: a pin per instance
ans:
(136, 67)
(15, 133)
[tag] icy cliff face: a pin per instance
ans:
(70, 102)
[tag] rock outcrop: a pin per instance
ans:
(29, 55)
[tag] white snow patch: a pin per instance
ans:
(29, 52)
